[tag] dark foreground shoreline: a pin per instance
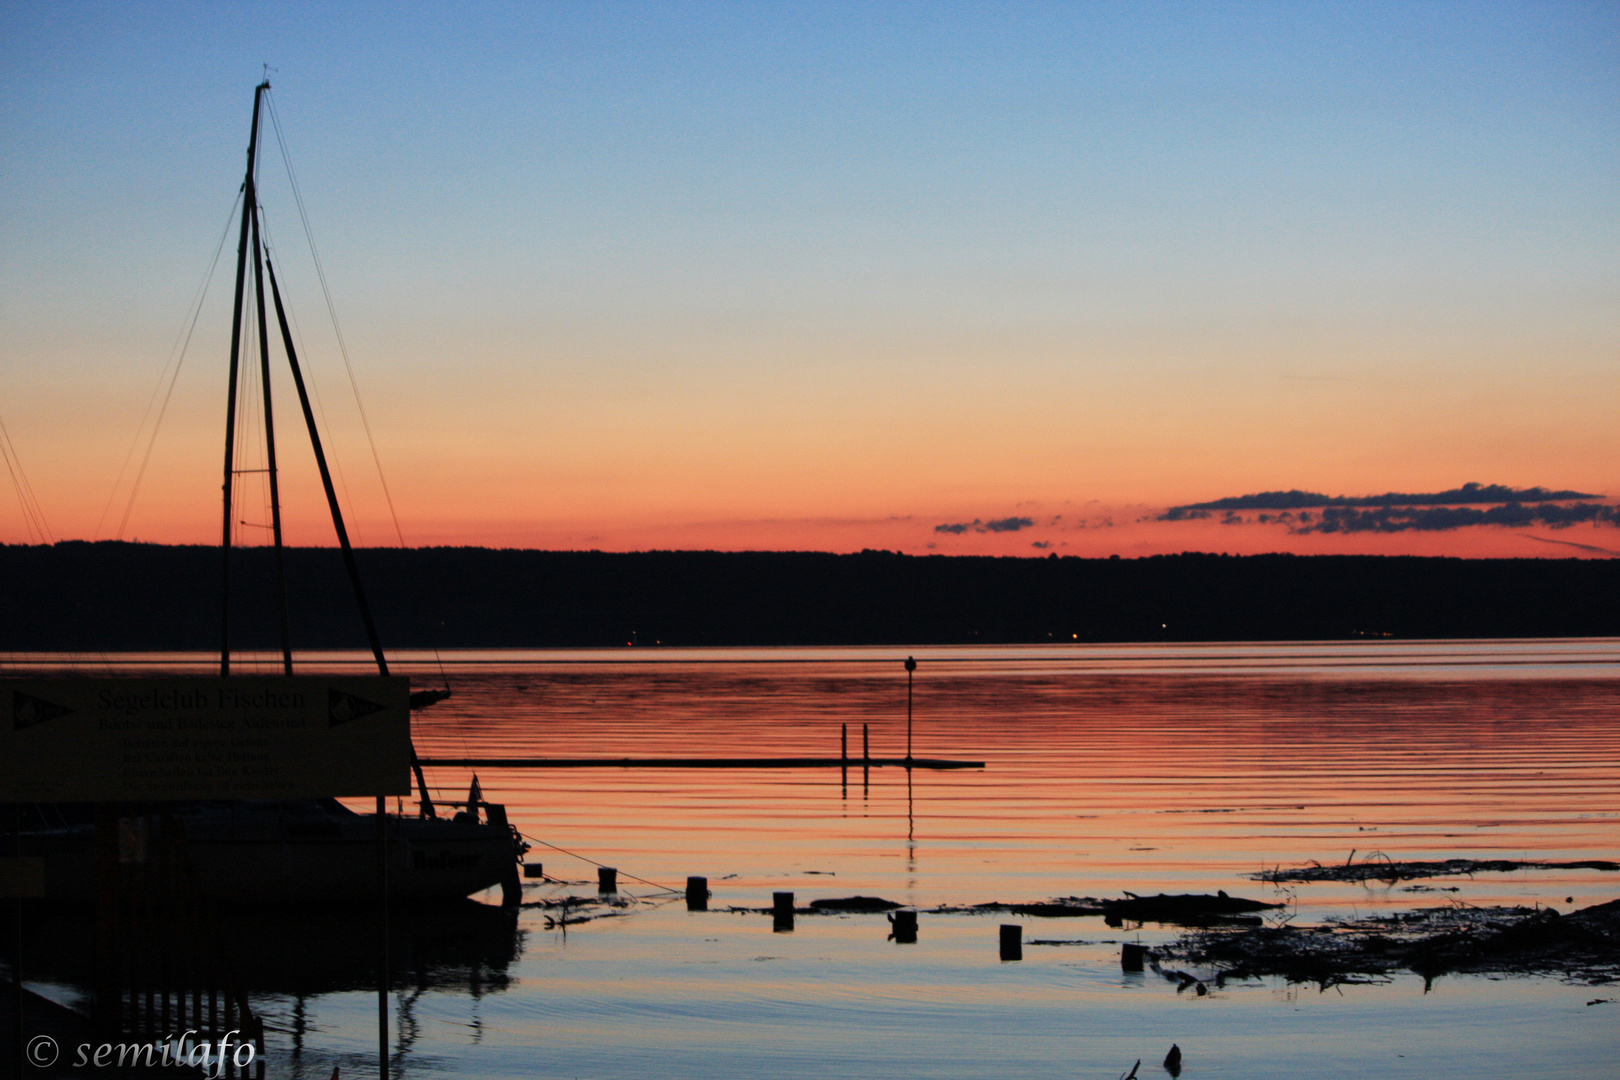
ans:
(76, 596)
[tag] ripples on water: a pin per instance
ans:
(1142, 768)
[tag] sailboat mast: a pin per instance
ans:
(248, 209)
(270, 445)
(326, 475)
(426, 799)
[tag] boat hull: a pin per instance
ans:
(283, 853)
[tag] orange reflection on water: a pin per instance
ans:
(1098, 778)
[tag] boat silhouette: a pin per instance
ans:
(286, 851)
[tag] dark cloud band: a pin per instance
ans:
(997, 525)
(1470, 494)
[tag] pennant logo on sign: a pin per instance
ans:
(341, 707)
(28, 710)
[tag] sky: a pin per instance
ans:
(822, 276)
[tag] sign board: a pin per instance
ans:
(256, 737)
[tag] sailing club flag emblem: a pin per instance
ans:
(341, 707)
(28, 710)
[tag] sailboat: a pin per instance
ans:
(311, 849)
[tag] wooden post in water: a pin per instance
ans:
(382, 960)
(607, 879)
(911, 666)
(905, 926)
(782, 912)
(1012, 941)
(697, 894)
(866, 760)
(843, 760)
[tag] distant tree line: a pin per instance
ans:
(77, 596)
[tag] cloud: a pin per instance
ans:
(1041, 544)
(1470, 494)
(1006, 524)
(1391, 519)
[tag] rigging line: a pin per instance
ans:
(7, 450)
(331, 309)
(182, 344)
(337, 331)
(315, 392)
(247, 417)
(33, 513)
(593, 862)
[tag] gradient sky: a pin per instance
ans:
(825, 276)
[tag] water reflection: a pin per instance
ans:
(1176, 769)
(303, 952)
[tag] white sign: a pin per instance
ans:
(283, 737)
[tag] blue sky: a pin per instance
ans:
(848, 261)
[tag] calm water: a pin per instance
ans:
(1140, 768)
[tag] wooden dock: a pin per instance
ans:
(701, 763)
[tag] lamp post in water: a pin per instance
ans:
(911, 666)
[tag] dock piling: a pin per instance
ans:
(1012, 941)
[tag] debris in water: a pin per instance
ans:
(854, 903)
(1181, 909)
(1380, 867)
(1582, 947)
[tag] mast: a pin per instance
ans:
(425, 800)
(248, 208)
(259, 258)
(326, 475)
(261, 266)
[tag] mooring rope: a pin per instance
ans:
(593, 862)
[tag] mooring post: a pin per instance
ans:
(911, 666)
(782, 912)
(904, 922)
(843, 760)
(607, 879)
(1131, 956)
(1012, 941)
(382, 960)
(866, 746)
(534, 869)
(697, 894)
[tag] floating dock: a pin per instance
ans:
(701, 763)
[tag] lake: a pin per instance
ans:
(1140, 768)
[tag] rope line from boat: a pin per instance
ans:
(334, 459)
(342, 342)
(593, 862)
(33, 513)
(177, 357)
(331, 310)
